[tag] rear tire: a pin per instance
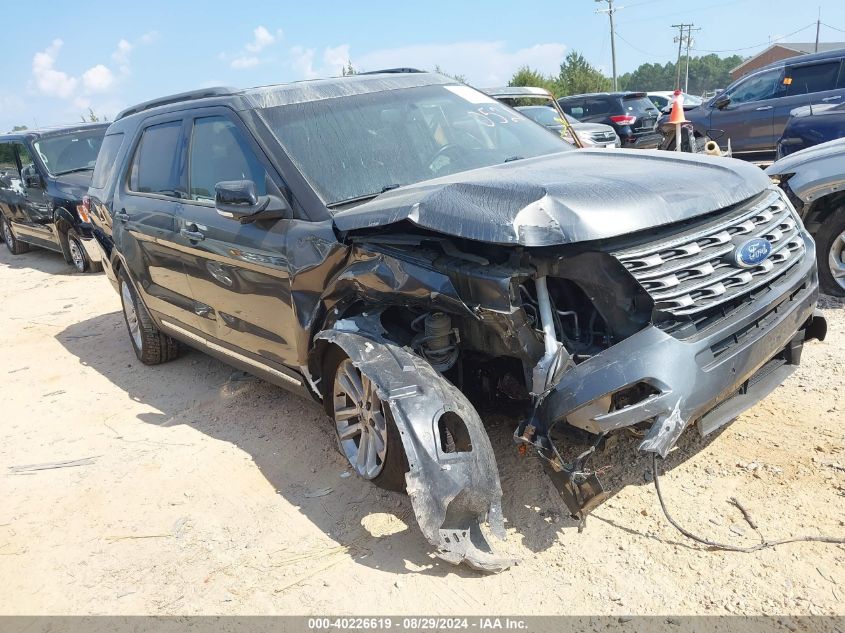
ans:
(151, 345)
(388, 471)
(15, 246)
(78, 256)
(830, 254)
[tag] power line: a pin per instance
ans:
(748, 48)
(636, 48)
(833, 27)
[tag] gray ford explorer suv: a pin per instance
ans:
(398, 246)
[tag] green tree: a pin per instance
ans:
(527, 76)
(19, 128)
(706, 73)
(92, 117)
(577, 76)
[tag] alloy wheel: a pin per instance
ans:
(836, 260)
(360, 420)
(131, 314)
(76, 255)
(7, 234)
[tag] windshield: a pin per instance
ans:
(543, 115)
(359, 146)
(70, 152)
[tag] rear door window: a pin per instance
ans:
(574, 109)
(596, 107)
(811, 78)
(156, 164)
(106, 160)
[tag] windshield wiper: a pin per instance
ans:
(74, 170)
(513, 158)
(364, 197)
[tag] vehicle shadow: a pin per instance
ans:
(37, 259)
(292, 443)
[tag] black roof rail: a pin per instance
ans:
(218, 91)
(392, 70)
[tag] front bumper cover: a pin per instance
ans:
(709, 377)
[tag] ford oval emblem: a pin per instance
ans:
(752, 253)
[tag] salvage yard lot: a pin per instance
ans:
(204, 490)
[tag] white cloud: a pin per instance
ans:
(336, 57)
(121, 55)
(247, 57)
(484, 63)
(49, 80)
(97, 79)
(244, 61)
(149, 37)
(302, 60)
(262, 39)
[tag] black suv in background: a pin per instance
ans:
(44, 176)
(752, 112)
(400, 245)
(632, 114)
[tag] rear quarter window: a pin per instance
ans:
(105, 166)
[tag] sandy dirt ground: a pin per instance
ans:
(202, 490)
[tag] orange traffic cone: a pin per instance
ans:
(677, 115)
(677, 118)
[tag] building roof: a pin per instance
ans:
(800, 48)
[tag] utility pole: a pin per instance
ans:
(689, 43)
(610, 11)
(680, 39)
(818, 26)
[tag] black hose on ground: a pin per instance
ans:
(725, 546)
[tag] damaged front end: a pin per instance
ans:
(650, 332)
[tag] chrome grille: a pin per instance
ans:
(688, 274)
(603, 137)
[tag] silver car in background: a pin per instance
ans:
(539, 105)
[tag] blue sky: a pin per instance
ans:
(61, 58)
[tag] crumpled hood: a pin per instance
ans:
(563, 198)
(792, 162)
(74, 185)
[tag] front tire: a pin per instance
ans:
(78, 256)
(830, 253)
(15, 246)
(151, 345)
(366, 433)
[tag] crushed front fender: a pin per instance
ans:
(452, 491)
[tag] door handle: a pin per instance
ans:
(763, 108)
(832, 98)
(122, 216)
(194, 236)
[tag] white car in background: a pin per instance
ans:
(664, 99)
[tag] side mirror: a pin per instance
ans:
(31, 178)
(721, 102)
(238, 199)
